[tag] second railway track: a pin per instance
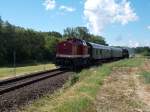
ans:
(22, 81)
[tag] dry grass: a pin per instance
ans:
(123, 91)
(6, 72)
(118, 94)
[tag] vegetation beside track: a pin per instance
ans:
(6, 72)
(134, 62)
(146, 76)
(76, 97)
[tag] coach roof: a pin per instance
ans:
(99, 46)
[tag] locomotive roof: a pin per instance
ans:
(76, 40)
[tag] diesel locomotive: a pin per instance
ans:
(76, 52)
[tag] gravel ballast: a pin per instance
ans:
(13, 100)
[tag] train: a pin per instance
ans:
(75, 52)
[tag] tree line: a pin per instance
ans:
(145, 51)
(28, 45)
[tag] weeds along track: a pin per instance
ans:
(18, 82)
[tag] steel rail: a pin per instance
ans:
(22, 81)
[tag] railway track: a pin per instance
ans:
(22, 81)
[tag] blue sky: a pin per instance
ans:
(121, 22)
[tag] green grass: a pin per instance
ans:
(6, 72)
(78, 96)
(133, 62)
(146, 76)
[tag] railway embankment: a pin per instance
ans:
(112, 87)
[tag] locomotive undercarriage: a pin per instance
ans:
(72, 62)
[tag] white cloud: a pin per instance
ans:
(49, 4)
(67, 8)
(100, 13)
(148, 27)
(133, 44)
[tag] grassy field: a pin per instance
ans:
(6, 72)
(76, 97)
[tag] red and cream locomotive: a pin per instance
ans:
(72, 52)
(76, 52)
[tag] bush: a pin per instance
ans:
(146, 53)
(74, 79)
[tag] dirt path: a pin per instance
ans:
(123, 91)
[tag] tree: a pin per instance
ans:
(50, 45)
(1, 22)
(77, 32)
(82, 33)
(55, 34)
(1, 44)
(8, 39)
(69, 33)
(98, 39)
(143, 51)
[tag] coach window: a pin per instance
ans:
(96, 51)
(99, 52)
